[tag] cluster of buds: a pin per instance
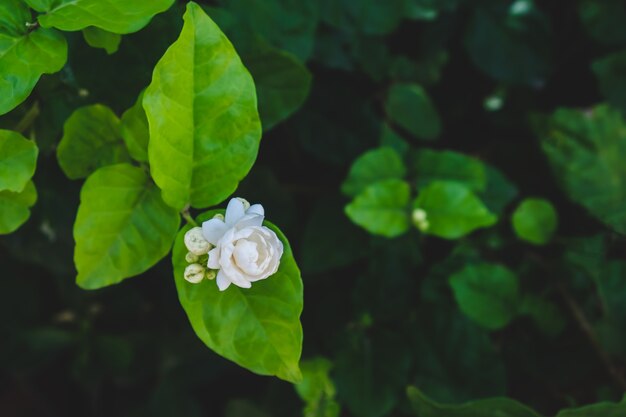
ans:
(420, 219)
(197, 257)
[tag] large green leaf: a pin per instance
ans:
(201, 108)
(122, 228)
(25, 54)
(283, 82)
(450, 210)
(586, 150)
(15, 207)
(370, 370)
(430, 165)
(100, 38)
(535, 220)
(409, 106)
(487, 293)
(18, 160)
(510, 46)
(317, 389)
(286, 24)
(135, 131)
(258, 328)
(91, 139)
(117, 16)
(492, 407)
(382, 208)
(375, 165)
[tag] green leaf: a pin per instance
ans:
(14, 207)
(373, 166)
(492, 407)
(18, 160)
(487, 293)
(283, 83)
(257, 328)
(586, 150)
(450, 210)
(117, 16)
(122, 228)
(508, 46)
(317, 389)
(367, 16)
(535, 220)
(604, 20)
(409, 106)
(135, 131)
(389, 138)
(100, 38)
(499, 192)
(605, 409)
(611, 74)
(201, 109)
(286, 24)
(546, 315)
(370, 370)
(382, 208)
(431, 165)
(91, 139)
(25, 55)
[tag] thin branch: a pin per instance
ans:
(188, 218)
(587, 329)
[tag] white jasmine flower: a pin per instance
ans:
(245, 250)
(196, 243)
(194, 273)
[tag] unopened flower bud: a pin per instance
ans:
(194, 273)
(196, 243)
(219, 216)
(420, 219)
(246, 204)
(211, 274)
(191, 258)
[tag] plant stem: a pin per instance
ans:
(188, 218)
(587, 329)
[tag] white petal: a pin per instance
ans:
(249, 220)
(214, 258)
(256, 209)
(222, 281)
(213, 230)
(234, 212)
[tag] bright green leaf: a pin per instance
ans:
(492, 407)
(282, 82)
(91, 139)
(586, 150)
(373, 166)
(450, 210)
(135, 131)
(382, 208)
(14, 207)
(487, 293)
(122, 228)
(117, 16)
(317, 389)
(100, 38)
(535, 220)
(25, 55)
(431, 165)
(409, 106)
(258, 328)
(201, 109)
(18, 160)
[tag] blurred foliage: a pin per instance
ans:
(450, 175)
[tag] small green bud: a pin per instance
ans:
(219, 217)
(420, 219)
(191, 258)
(246, 204)
(196, 243)
(211, 274)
